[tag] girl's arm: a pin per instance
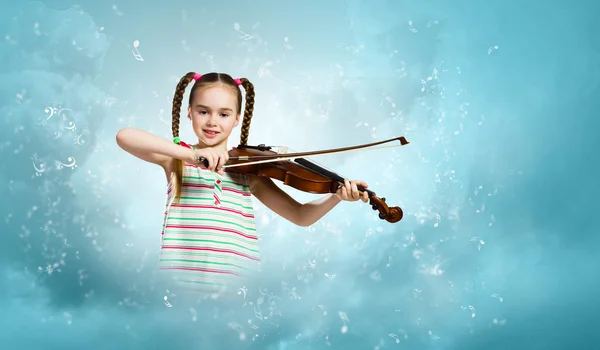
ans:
(305, 214)
(151, 148)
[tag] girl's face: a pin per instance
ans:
(213, 114)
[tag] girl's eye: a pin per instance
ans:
(202, 112)
(224, 115)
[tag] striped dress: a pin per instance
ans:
(209, 242)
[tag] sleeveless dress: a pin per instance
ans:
(209, 242)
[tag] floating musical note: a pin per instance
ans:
(36, 29)
(69, 318)
(432, 23)
(497, 296)
(471, 308)
(116, 10)
(499, 322)
(101, 29)
(236, 327)
(287, 43)
(437, 220)
(460, 129)
(166, 299)
(395, 337)
(136, 52)
(241, 291)
(345, 321)
(79, 141)
(245, 36)
(72, 164)
(492, 220)
(481, 121)
(77, 47)
(194, 314)
(39, 170)
(264, 69)
(323, 309)
(432, 336)
(410, 26)
(390, 100)
(492, 48)
(389, 261)
(433, 76)
(252, 325)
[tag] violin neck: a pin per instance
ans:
(327, 173)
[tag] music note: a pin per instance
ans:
(410, 26)
(471, 308)
(395, 337)
(98, 32)
(323, 309)
(69, 318)
(236, 327)
(345, 320)
(252, 325)
(72, 164)
(264, 69)
(287, 43)
(389, 261)
(492, 221)
(245, 36)
(167, 302)
(500, 299)
(481, 120)
(194, 314)
(437, 220)
(116, 10)
(432, 336)
(433, 75)
(492, 48)
(135, 51)
(459, 131)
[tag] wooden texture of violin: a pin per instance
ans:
(302, 175)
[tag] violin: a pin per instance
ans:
(294, 170)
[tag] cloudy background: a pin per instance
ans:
(497, 247)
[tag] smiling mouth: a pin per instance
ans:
(209, 132)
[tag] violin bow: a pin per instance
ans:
(289, 156)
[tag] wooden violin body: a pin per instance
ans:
(300, 174)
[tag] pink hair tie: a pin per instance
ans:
(197, 76)
(238, 81)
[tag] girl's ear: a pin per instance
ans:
(237, 119)
(189, 113)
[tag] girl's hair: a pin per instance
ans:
(203, 81)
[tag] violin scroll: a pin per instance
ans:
(389, 214)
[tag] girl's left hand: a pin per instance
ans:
(349, 192)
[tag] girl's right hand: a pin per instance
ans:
(215, 159)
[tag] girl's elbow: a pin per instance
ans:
(124, 137)
(302, 221)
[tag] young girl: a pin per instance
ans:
(209, 239)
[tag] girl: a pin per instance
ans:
(209, 239)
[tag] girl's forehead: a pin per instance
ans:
(216, 91)
(215, 96)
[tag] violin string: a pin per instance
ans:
(294, 157)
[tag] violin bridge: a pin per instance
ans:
(282, 150)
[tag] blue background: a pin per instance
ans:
(497, 249)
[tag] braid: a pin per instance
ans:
(177, 100)
(176, 114)
(249, 108)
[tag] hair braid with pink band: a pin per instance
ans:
(198, 76)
